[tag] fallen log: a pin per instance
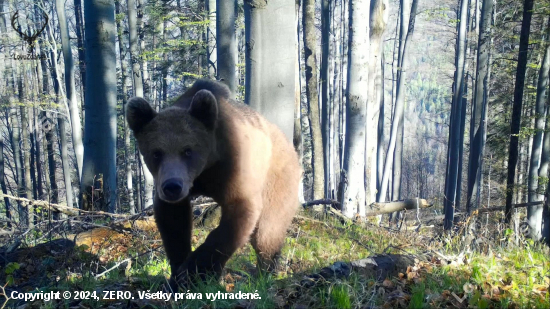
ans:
(482, 211)
(376, 209)
(69, 211)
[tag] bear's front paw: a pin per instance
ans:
(171, 286)
(190, 273)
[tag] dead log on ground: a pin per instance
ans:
(375, 209)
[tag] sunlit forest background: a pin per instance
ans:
(439, 106)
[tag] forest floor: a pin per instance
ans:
(325, 264)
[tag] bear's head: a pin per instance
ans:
(177, 143)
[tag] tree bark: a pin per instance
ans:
(517, 106)
(211, 38)
(310, 56)
(3, 181)
(128, 151)
(379, 10)
(453, 152)
(138, 82)
(270, 60)
(478, 122)
(80, 43)
(70, 88)
(398, 117)
(100, 145)
(325, 89)
(226, 39)
(353, 172)
(534, 213)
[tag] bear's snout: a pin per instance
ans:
(172, 189)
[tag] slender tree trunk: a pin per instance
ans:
(478, 120)
(458, 199)
(378, 19)
(517, 107)
(353, 172)
(534, 213)
(70, 88)
(137, 79)
(270, 61)
(310, 46)
(3, 180)
(398, 117)
(100, 145)
(325, 90)
(128, 151)
(226, 39)
(80, 42)
(65, 159)
(19, 137)
(453, 152)
(211, 38)
(397, 176)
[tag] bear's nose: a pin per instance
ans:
(172, 188)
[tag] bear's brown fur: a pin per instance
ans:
(207, 144)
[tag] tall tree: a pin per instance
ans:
(451, 180)
(137, 79)
(353, 172)
(534, 213)
(128, 151)
(61, 121)
(211, 38)
(80, 42)
(70, 88)
(226, 39)
(378, 19)
(310, 46)
(270, 60)
(398, 114)
(100, 125)
(517, 106)
(3, 180)
(326, 109)
(478, 122)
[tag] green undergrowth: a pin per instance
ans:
(445, 274)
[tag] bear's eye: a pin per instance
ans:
(188, 152)
(157, 154)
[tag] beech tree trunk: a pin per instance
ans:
(137, 79)
(270, 60)
(99, 169)
(70, 89)
(79, 27)
(325, 96)
(211, 38)
(478, 122)
(398, 117)
(353, 173)
(310, 56)
(534, 213)
(128, 151)
(378, 20)
(3, 186)
(453, 152)
(517, 106)
(226, 39)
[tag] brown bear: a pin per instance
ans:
(208, 144)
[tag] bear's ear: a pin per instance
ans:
(139, 113)
(204, 107)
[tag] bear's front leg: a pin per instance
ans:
(237, 223)
(175, 224)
